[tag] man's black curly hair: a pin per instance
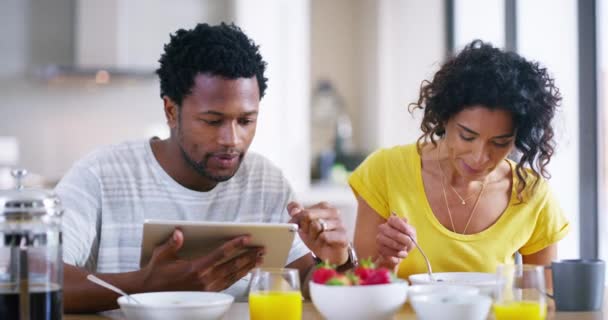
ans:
(222, 50)
(484, 75)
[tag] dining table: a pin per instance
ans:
(240, 310)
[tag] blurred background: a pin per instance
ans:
(77, 74)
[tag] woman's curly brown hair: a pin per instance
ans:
(484, 75)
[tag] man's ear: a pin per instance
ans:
(171, 112)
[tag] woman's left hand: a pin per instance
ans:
(321, 229)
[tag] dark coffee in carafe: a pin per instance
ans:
(45, 303)
(31, 264)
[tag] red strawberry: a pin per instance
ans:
(365, 270)
(324, 272)
(379, 276)
(338, 280)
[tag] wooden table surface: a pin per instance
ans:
(240, 311)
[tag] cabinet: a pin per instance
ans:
(130, 34)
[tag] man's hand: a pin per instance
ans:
(321, 229)
(166, 271)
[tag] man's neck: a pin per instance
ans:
(168, 155)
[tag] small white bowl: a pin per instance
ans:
(379, 301)
(486, 282)
(418, 289)
(176, 305)
(437, 306)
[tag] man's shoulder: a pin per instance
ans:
(115, 160)
(123, 152)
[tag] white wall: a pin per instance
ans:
(411, 47)
(547, 32)
(13, 26)
(479, 19)
(368, 15)
(282, 30)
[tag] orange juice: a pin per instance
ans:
(524, 310)
(275, 305)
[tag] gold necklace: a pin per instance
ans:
(463, 201)
(445, 197)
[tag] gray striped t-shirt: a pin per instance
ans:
(108, 194)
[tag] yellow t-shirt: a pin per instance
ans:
(390, 180)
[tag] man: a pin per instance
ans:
(212, 80)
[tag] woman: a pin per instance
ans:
(455, 191)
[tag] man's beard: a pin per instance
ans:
(201, 167)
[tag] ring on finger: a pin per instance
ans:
(323, 225)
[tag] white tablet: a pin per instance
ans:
(201, 237)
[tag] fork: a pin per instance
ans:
(428, 263)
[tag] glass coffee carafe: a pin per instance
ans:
(31, 266)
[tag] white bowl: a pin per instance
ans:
(418, 289)
(437, 306)
(379, 301)
(176, 305)
(486, 282)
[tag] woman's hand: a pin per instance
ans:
(393, 241)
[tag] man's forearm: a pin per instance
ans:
(306, 280)
(82, 296)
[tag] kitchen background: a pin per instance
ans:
(77, 74)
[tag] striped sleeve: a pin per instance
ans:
(79, 192)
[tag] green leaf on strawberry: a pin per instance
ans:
(353, 278)
(338, 280)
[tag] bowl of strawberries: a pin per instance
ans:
(364, 293)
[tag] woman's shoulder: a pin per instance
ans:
(536, 187)
(394, 154)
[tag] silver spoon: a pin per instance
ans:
(106, 285)
(428, 263)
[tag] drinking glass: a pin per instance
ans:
(275, 294)
(520, 293)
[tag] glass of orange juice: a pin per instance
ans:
(275, 294)
(520, 293)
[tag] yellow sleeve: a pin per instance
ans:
(369, 181)
(550, 227)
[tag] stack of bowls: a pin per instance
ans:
(451, 304)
